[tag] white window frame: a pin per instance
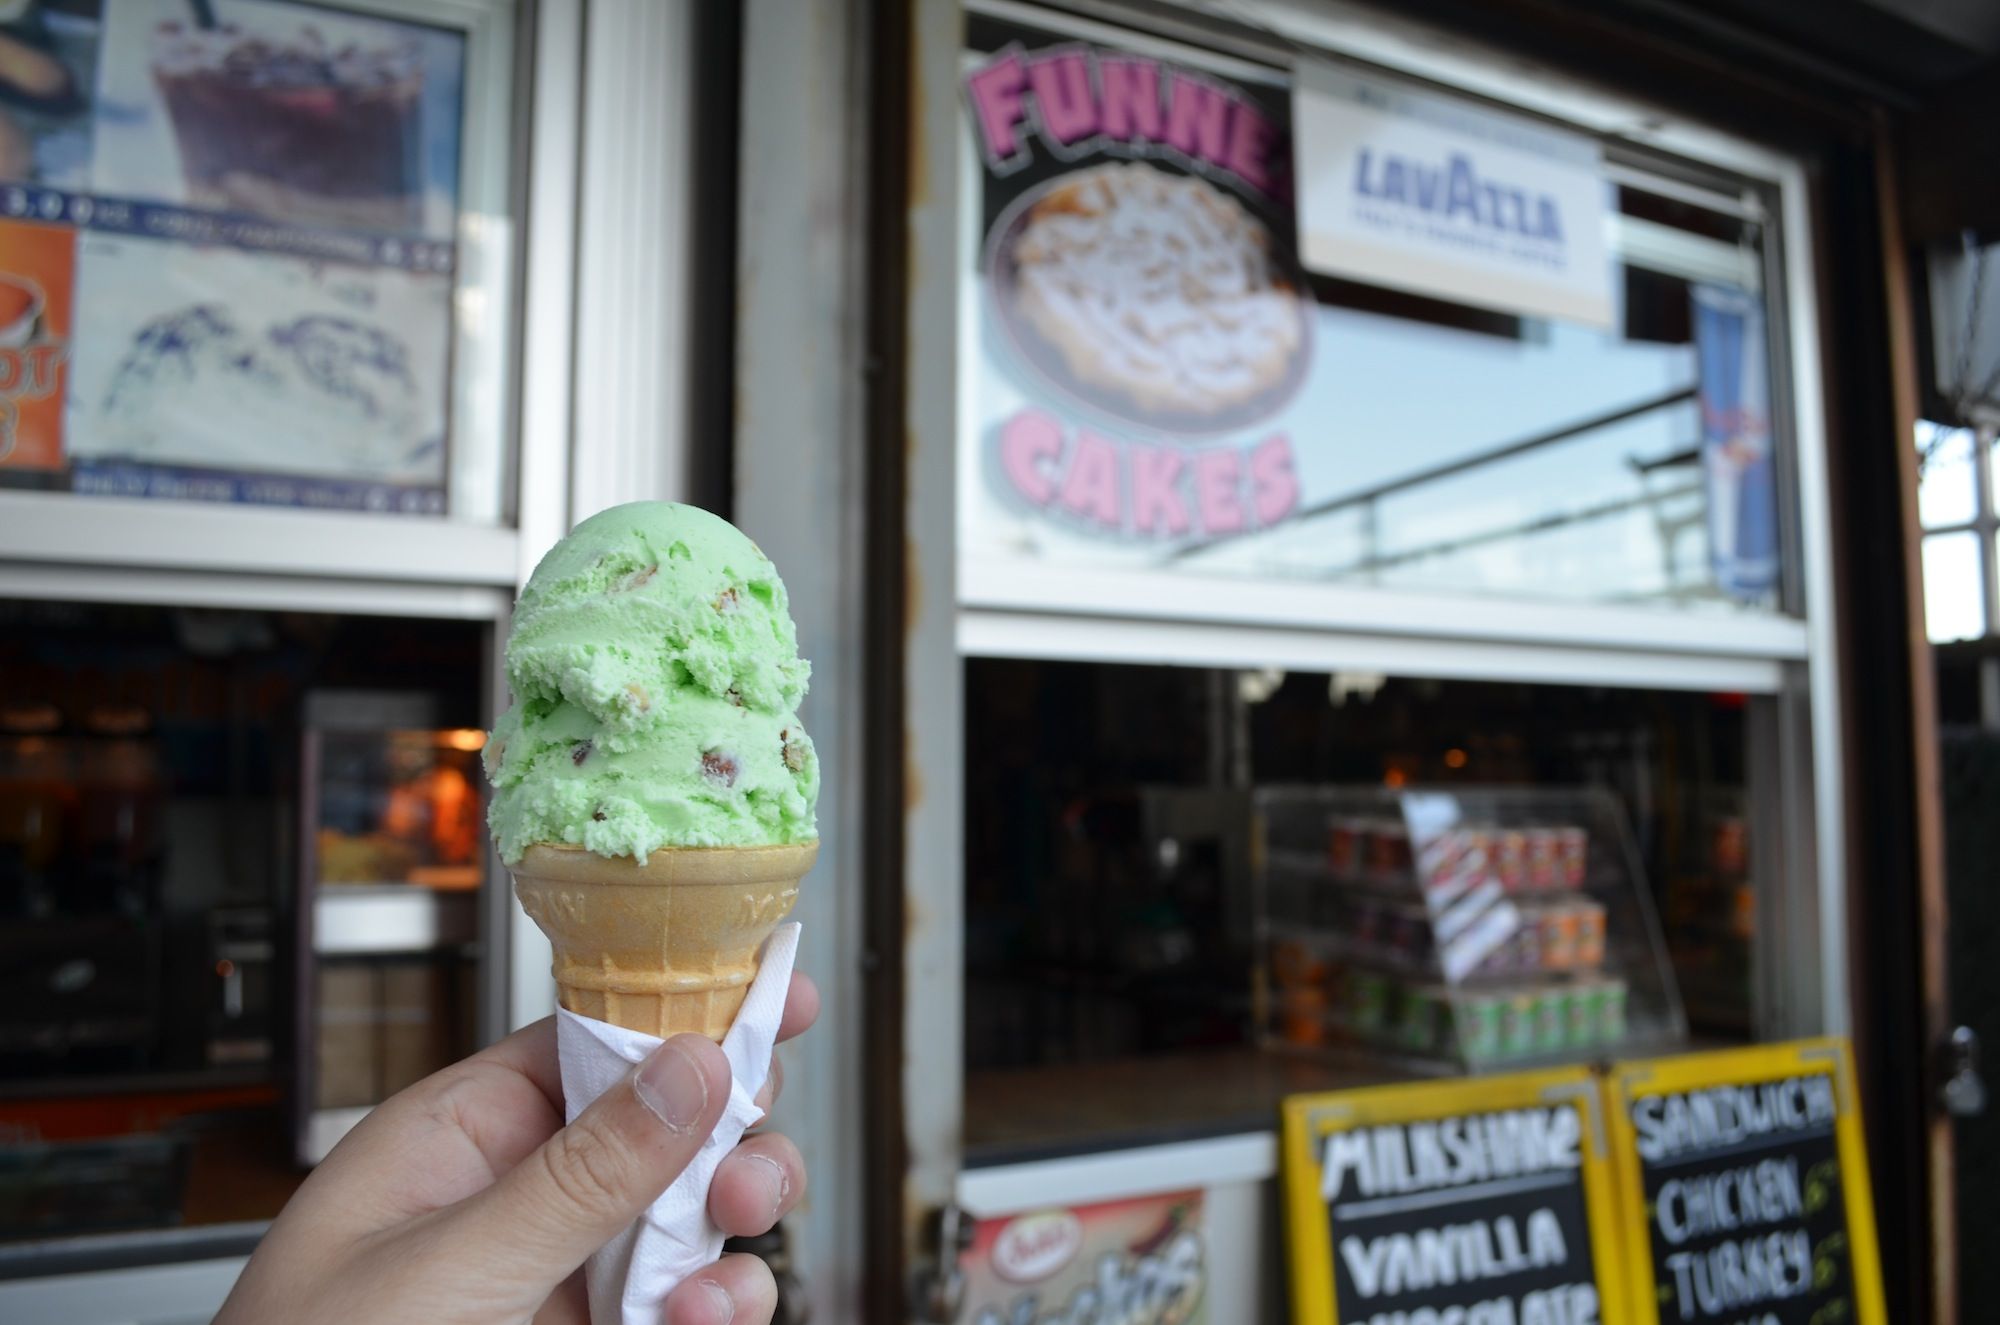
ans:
(59, 528)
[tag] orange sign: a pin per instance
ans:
(37, 266)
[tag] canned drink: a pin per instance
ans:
(1611, 1021)
(1584, 1015)
(1517, 1024)
(1297, 965)
(1510, 859)
(1302, 1016)
(1730, 846)
(1542, 867)
(1479, 1018)
(1424, 1009)
(1561, 926)
(1572, 856)
(1389, 851)
(1368, 921)
(1368, 999)
(1589, 933)
(1551, 1018)
(1343, 846)
(1410, 937)
(1526, 944)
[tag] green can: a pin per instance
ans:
(1368, 1000)
(1425, 1009)
(1551, 1018)
(1611, 1027)
(1585, 1015)
(1517, 1024)
(1480, 1018)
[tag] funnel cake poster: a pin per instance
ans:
(1142, 327)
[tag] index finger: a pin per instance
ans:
(531, 1051)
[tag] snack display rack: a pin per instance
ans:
(1457, 929)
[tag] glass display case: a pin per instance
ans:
(1189, 892)
(393, 859)
(175, 785)
(1460, 928)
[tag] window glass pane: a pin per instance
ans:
(1151, 380)
(176, 786)
(233, 259)
(1954, 606)
(1181, 921)
(1551, 460)
(1947, 493)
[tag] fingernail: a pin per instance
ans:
(725, 1306)
(670, 1084)
(779, 1181)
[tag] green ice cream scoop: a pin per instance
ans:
(656, 678)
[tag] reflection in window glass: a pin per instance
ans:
(1422, 445)
(1453, 489)
(1946, 492)
(1953, 606)
(1549, 459)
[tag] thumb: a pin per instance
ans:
(595, 1176)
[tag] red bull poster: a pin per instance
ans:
(1143, 329)
(1736, 456)
(1140, 1261)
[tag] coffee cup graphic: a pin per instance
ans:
(21, 307)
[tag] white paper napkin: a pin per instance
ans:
(635, 1271)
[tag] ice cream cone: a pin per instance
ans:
(664, 947)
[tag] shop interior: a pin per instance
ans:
(1125, 927)
(240, 861)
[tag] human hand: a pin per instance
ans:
(465, 1199)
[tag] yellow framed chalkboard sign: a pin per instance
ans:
(1472, 1202)
(1743, 1179)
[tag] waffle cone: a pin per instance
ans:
(664, 947)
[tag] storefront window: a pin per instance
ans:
(1159, 925)
(238, 891)
(247, 255)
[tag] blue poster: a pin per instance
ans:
(1736, 459)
